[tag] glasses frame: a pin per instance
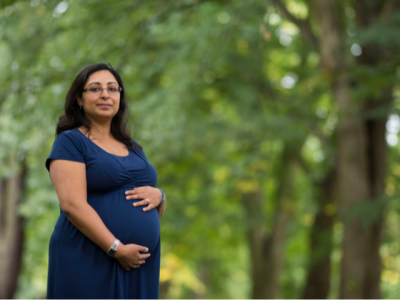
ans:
(102, 89)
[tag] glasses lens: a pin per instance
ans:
(113, 89)
(95, 89)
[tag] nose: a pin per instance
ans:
(106, 95)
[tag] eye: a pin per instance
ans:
(94, 89)
(112, 89)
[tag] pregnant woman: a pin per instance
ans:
(106, 242)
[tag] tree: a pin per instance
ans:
(11, 230)
(361, 131)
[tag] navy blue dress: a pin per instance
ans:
(78, 268)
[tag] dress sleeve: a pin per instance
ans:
(67, 148)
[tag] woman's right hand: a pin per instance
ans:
(131, 256)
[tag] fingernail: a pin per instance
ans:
(134, 204)
(126, 192)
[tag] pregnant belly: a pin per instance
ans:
(131, 225)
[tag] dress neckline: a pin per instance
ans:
(129, 151)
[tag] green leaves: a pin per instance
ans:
(215, 89)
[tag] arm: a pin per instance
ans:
(69, 180)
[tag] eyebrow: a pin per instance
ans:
(100, 83)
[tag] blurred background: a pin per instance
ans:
(273, 125)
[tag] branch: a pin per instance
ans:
(304, 26)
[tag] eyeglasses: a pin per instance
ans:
(97, 90)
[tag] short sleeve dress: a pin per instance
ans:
(78, 268)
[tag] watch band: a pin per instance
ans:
(113, 248)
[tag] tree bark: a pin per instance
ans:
(353, 190)
(252, 205)
(377, 153)
(267, 251)
(11, 230)
(319, 273)
(275, 249)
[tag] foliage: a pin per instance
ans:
(216, 89)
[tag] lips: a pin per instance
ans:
(105, 105)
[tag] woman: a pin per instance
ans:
(106, 242)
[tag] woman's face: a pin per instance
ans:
(98, 103)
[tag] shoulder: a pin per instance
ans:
(71, 139)
(68, 146)
(72, 135)
(69, 133)
(136, 146)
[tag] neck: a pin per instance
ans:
(100, 129)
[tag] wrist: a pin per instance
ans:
(113, 249)
(120, 250)
(162, 197)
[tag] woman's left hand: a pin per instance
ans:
(151, 197)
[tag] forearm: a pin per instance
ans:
(86, 219)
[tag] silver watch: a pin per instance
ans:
(113, 248)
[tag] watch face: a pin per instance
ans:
(113, 248)
(111, 252)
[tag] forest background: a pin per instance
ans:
(273, 126)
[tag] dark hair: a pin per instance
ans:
(75, 117)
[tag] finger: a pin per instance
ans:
(143, 249)
(135, 266)
(132, 191)
(148, 207)
(129, 192)
(141, 203)
(141, 262)
(136, 190)
(144, 256)
(135, 196)
(127, 269)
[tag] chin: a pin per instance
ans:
(104, 115)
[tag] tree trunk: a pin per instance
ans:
(370, 13)
(275, 249)
(353, 189)
(361, 151)
(252, 204)
(361, 265)
(319, 273)
(11, 230)
(267, 251)
(377, 150)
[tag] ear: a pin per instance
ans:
(79, 101)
